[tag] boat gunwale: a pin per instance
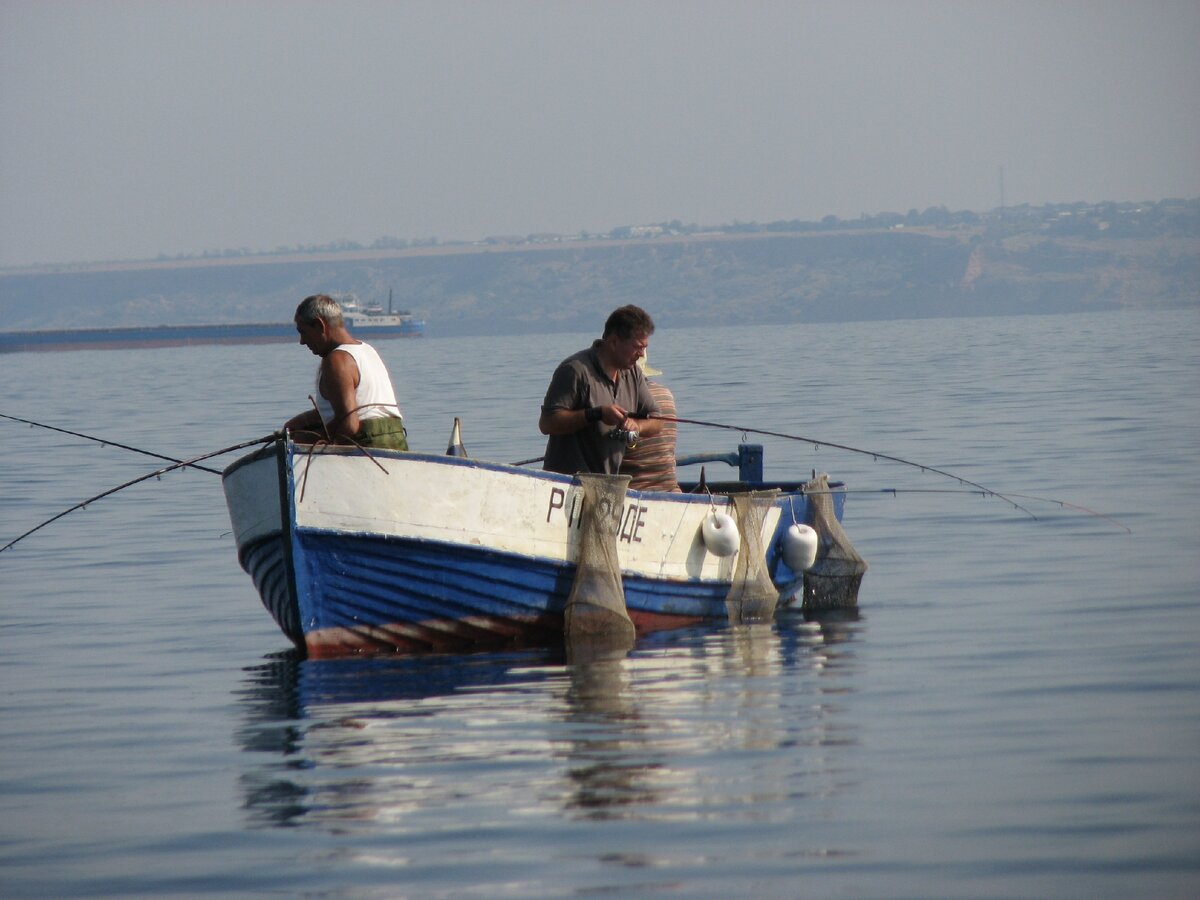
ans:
(715, 490)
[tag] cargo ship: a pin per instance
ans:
(371, 323)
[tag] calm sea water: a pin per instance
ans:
(1015, 711)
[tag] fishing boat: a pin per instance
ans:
(372, 322)
(386, 551)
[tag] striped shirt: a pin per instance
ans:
(652, 462)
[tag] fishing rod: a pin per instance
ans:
(873, 454)
(528, 462)
(105, 442)
(159, 472)
(979, 489)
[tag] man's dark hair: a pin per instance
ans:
(628, 321)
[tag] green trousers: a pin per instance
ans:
(387, 433)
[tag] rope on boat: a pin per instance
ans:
(106, 442)
(178, 465)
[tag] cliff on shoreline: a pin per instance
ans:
(1025, 262)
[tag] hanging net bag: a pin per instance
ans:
(833, 580)
(752, 596)
(596, 605)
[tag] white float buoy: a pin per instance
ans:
(800, 547)
(720, 534)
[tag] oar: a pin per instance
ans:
(155, 474)
(105, 441)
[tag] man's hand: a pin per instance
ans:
(569, 421)
(614, 415)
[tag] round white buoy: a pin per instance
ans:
(720, 534)
(800, 547)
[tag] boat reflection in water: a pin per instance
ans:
(682, 725)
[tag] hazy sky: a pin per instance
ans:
(129, 129)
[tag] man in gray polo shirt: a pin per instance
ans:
(599, 391)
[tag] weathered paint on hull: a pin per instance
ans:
(387, 596)
(398, 595)
(442, 553)
(473, 633)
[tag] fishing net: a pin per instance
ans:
(833, 580)
(752, 596)
(596, 605)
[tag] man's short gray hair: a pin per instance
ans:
(318, 306)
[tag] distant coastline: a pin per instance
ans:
(1016, 261)
(1125, 219)
(369, 255)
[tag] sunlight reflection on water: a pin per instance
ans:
(1014, 712)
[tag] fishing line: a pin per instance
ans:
(1054, 500)
(877, 456)
(178, 465)
(106, 442)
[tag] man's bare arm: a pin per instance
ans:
(339, 385)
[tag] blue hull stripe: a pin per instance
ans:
(363, 581)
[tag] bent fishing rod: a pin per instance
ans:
(182, 464)
(987, 492)
(979, 488)
(895, 492)
(107, 443)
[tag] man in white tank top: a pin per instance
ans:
(355, 401)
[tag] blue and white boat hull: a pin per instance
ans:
(409, 551)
